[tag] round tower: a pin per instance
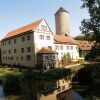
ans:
(62, 22)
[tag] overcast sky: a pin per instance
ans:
(17, 13)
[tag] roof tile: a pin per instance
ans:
(25, 28)
(85, 45)
(46, 50)
(64, 39)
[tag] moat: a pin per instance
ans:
(41, 90)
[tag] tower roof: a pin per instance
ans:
(61, 9)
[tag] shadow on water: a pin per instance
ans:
(42, 90)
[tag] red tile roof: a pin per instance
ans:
(46, 50)
(85, 45)
(61, 39)
(25, 28)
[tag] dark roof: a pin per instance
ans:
(61, 9)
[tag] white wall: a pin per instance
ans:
(43, 43)
(73, 52)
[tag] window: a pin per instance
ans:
(28, 57)
(57, 47)
(83, 46)
(2, 43)
(23, 39)
(28, 37)
(22, 50)
(59, 89)
(71, 47)
(9, 42)
(88, 46)
(43, 27)
(3, 58)
(48, 37)
(11, 58)
(61, 47)
(21, 58)
(50, 47)
(41, 37)
(15, 51)
(8, 58)
(5, 42)
(28, 49)
(5, 51)
(61, 53)
(14, 40)
(67, 47)
(63, 87)
(17, 57)
(9, 51)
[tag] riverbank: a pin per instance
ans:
(11, 77)
(89, 81)
(56, 73)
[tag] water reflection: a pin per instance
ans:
(44, 90)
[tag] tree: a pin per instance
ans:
(91, 26)
(64, 58)
(68, 57)
(82, 37)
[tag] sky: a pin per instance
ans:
(17, 13)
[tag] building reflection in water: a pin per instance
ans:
(57, 90)
(44, 90)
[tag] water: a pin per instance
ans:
(2, 93)
(41, 90)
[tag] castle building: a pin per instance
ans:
(19, 47)
(63, 41)
(36, 45)
(64, 45)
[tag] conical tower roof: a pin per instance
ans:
(61, 9)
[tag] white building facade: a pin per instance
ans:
(20, 47)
